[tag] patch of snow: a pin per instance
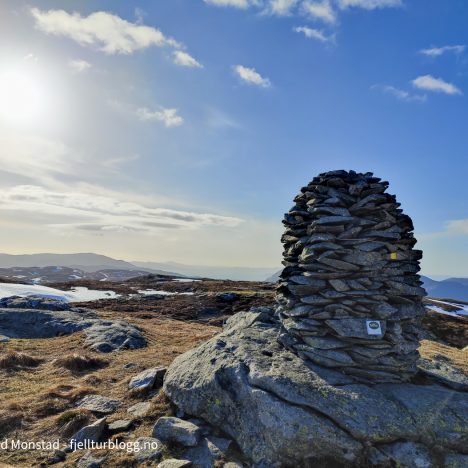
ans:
(79, 294)
(462, 309)
(148, 292)
(185, 280)
(441, 311)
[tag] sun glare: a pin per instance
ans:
(23, 97)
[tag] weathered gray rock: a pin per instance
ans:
(106, 336)
(101, 335)
(281, 409)
(147, 379)
(88, 460)
(120, 425)
(90, 433)
(455, 460)
(175, 430)
(98, 404)
(408, 455)
(149, 450)
(140, 410)
(444, 373)
(207, 452)
(33, 302)
(174, 463)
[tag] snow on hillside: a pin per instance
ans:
(79, 294)
(455, 309)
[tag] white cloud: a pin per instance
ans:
(168, 116)
(458, 226)
(437, 85)
(185, 60)
(369, 4)
(400, 94)
(437, 51)
(312, 33)
(93, 212)
(322, 11)
(79, 65)
(231, 3)
(110, 33)
(280, 7)
(251, 76)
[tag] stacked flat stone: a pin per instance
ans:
(350, 296)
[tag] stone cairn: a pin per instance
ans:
(349, 297)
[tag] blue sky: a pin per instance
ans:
(182, 129)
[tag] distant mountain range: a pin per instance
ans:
(452, 288)
(84, 261)
(91, 263)
(214, 272)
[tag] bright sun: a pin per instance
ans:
(23, 98)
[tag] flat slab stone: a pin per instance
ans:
(245, 383)
(99, 404)
(175, 463)
(140, 410)
(121, 425)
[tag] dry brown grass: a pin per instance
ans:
(456, 357)
(14, 360)
(39, 403)
(80, 362)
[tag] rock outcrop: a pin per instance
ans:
(19, 318)
(283, 410)
(350, 296)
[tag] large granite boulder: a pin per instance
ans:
(17, 321)
(285, 411)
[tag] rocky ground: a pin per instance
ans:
(44, 380)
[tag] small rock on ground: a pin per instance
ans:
(150, 449)
(140, 410)
(174, 463)
(120, 425)
(90, 461)
(99, 404)
(90, 433)
(147, 379)
(170, 429)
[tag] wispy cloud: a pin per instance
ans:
(458, 226)
(369, 4)
(312, 33)
(251, 76)
(91, 212)
(437, 85)
(400, 94)
(322, 11)
(168, 116)
(280, 7)
(231, 3)
(437, 51)
(79, 65)
(109, 33)
(185, 60)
